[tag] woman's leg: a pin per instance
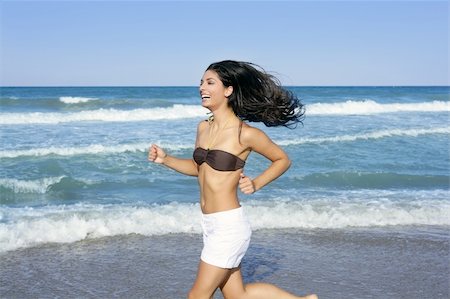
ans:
(209, 278)
(233, 288)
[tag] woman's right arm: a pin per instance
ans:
(184, 166)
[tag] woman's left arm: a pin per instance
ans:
(259, 142)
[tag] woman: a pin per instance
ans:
(233, 91)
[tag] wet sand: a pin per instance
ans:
(407, 262)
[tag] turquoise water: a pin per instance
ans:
(74, 162)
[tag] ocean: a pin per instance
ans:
(369, 163)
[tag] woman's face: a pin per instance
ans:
(212, 91)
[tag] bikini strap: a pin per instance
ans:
(240, 130)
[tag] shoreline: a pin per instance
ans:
(386, 262)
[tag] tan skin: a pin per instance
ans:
(219, 189)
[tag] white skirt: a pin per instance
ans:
(226, 237)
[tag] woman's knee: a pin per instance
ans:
(191, 295)
(197, 294)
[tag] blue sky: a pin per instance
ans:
(152, 43)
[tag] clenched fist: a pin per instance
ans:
(246, 184)
(156, 154)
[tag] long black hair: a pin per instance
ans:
(258, 96)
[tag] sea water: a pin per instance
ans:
(74, 162)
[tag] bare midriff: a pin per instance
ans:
(218, 189)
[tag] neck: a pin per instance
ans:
(223, 117)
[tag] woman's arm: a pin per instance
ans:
(184, 166)
(259, 142)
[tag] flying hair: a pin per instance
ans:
(258, 96)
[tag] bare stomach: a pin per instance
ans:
(218, 191)
(213, 205)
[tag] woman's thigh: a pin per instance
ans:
(209, 278)
(233, 286)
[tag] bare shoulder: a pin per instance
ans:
(202, 125)
(251, 135)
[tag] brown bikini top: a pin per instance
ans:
(218, 159)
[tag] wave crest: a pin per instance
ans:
(180, 111)
(65, 224)
(366, 136)
(75, 100)
(94, 149)
(368, 107)
(105, 115)
(39, 186)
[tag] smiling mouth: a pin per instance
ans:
(206, 97)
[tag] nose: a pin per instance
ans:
(201, 87)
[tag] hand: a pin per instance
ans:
(156, 154)
(246, 184)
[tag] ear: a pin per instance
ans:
(228, 91)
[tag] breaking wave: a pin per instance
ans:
(40, 186)
(142, 147)
(65, 224)
(75, 100)
(180, 111)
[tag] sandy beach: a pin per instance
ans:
(409, 262)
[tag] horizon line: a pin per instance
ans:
(190, 86)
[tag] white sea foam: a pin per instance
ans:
(93, 149)
(371, 107)
(30, 186)
(65, 224)
(367, 136)
(329, 214)
(142, 147)
(190, 111)
(76, 100)
(107, 115)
